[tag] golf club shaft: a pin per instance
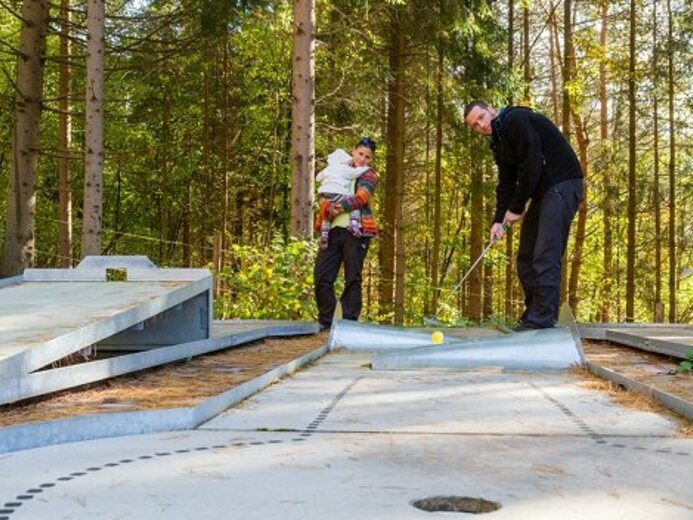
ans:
(481, 256)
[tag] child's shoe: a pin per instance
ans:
(325, 235)
(355, 227)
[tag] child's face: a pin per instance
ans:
(362, 156)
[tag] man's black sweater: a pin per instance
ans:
(532, 156)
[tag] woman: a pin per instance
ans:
(346, 245)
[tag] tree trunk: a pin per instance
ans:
(476, 236)
(630, 255)
(187, 232)
(92, 225)
(395, 159)
(226, 133)
(555, 59)
(567, 66)
(488, 266)
(435, 264)
(568, 56)
(576, 264)
(525, 48)
(428, 257)
(400, 244)
(19, 247)
(672, 170)
(607, 209)
(303, 119)
(658, 314)
(65, 131)
(508, 294)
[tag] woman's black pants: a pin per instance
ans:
(343, 248)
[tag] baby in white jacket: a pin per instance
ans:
(336, 181)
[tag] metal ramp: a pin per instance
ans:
(162, 314)
(397, 348)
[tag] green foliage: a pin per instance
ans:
(268, 282)
(686, 367)
(205, 152)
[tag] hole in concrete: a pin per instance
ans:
(457, 504)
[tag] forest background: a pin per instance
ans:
(197, 166)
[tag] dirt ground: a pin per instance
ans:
(184, 383)
(188, 383)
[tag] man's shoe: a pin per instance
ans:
(524, 327)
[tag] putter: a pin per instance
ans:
(434, 319)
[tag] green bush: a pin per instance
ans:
(268, 282)
(685, 367)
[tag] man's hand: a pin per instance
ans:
(497, 231)
(510, 218)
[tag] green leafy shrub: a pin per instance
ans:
(686, 367)
(268, 282)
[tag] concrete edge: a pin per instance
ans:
(14, 280)
(676, 404)
(215, 405)
(656, 345)
(597, 331)
(99, 426)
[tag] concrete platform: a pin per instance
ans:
(675, 340)
(340, 441)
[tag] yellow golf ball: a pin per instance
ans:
(437, 337)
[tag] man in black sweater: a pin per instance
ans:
(535, 163)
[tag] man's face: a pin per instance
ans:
(480, 119)
(362, 156)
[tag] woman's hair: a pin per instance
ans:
(368, 143)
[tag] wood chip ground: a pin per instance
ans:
(185, 383)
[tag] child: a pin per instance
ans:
(335, 182)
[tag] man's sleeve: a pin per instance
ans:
(505, 189)
(365, 187)
(527, 146)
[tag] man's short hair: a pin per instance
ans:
(471, 106)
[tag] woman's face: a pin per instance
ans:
(362, 156)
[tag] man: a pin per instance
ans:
(535, 163)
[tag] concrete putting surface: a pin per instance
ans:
(340, 441)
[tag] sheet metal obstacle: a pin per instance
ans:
(162, 314)
(396, 348)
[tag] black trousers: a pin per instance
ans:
(543, 239)
(343, 248)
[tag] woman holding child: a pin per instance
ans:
(346, 224)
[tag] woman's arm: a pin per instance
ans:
(365, 187)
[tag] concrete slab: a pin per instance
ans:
(671, 341)
(598, 330)
(366, 444)
(477, 402)
(33, 315)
